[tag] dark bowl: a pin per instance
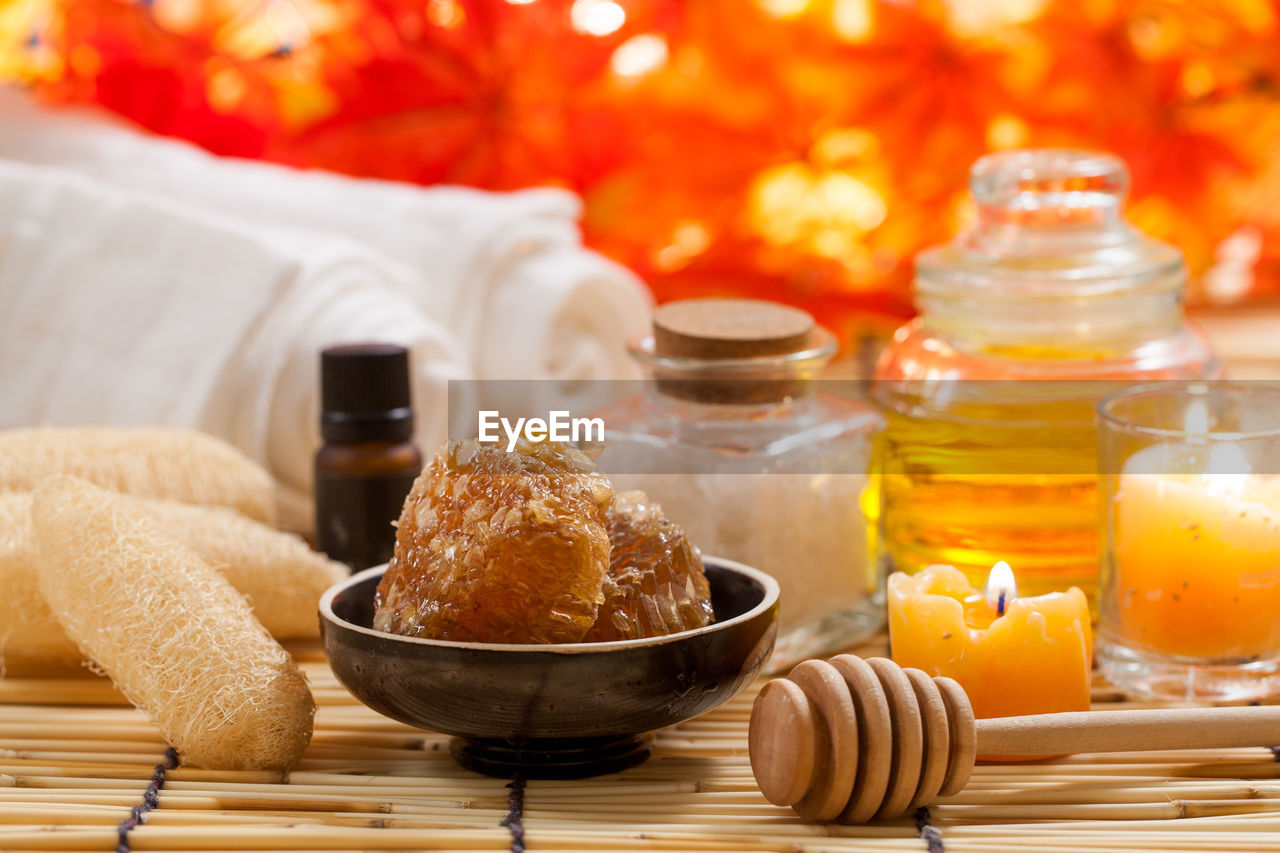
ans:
(552, 711)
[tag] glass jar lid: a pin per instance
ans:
(1049, 224)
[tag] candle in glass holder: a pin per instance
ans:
(1196, 556)
(1189, 592)
(1012, 655)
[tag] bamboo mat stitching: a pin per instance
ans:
(150, 800)
(514, 821)
(931, 835)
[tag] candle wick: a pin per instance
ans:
(1000, 604)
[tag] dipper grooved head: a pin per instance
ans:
(854, 740)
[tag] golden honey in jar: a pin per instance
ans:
(1049, 301)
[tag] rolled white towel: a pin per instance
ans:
(505, 272)
(125, 308)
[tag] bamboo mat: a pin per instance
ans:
(75, 759)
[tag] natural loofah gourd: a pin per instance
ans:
(280, 576)
(28, 631)
(171, 464)
(172, 634)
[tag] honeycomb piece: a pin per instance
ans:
(499, 547)
(656, 584)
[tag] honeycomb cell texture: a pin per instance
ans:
(656, 583)
(499, 547)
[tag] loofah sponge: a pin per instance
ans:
(172, 464)
(174, 636)
(28, 631)
(282, 578)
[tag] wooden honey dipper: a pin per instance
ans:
(854, 740)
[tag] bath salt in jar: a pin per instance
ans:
(759, 460)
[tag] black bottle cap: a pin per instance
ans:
(364, 393)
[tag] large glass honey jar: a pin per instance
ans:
(1050, 300)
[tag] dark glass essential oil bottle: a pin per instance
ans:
(368, 461)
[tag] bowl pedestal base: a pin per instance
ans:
(570, 758)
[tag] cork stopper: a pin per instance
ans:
(737, 349)
(729, 328)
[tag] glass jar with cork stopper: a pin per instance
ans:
(1047, 303)
(758, 461)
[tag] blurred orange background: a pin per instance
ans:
(799, 150)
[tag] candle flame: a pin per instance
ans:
(1227, 464)
(1228, 469)
(1196, 419)
(1001, 587)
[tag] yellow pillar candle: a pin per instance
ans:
(1033, 659)
(1196, 557)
